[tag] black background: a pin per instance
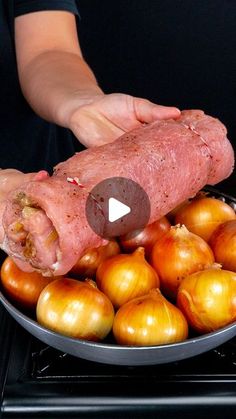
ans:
(173, 52)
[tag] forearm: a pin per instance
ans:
(61, 88)
(55, 83)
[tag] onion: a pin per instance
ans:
(124, 277)
(74, 308)
(208, 299)
(87, 265)
(21, 287)
(223, 244)
(177, 254)
(145, 237)
(149, 320)
(172, 214)
(203, 215)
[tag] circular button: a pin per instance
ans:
(116, 206)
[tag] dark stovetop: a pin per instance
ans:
(37, 381)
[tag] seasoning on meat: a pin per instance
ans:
(171, 160)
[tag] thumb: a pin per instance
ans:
(147, 111)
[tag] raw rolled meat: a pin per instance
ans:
(44, 220)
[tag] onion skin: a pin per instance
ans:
(208, 299)
(203, 215)
(23, 288)
(149, 320)
(124, 277)
(223, 244)
(146, 237)
(76, 309)
(178, 254)
(87, 265)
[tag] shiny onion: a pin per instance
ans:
(23, 288)
(203, 215)
(87, 265)
(223, 244)
(146, 237)
(208, 299)
(124, 277)
(76, 309)
(172, 214)
(177, 254)
(149, 320)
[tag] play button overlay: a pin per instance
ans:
(117, 206)
(116, 210)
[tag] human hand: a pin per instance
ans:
(106, 117)
(61, 88)
(10, 179)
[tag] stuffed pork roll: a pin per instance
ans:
(44, 221)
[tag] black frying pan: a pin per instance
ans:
(110, 353)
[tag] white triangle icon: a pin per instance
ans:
(116, 209)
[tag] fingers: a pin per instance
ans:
(108, 117)
(7, 179)
(10, 179)
(147, 111)
(41, 175)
